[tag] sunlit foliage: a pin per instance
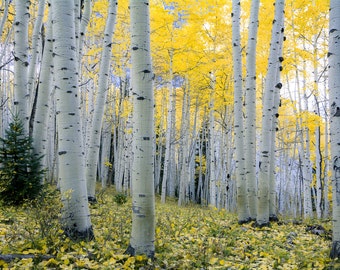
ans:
(189, 237)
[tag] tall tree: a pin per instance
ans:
(262, 218)
(75, 213)
(43, 96)
(98, 114)
(334, 100)
(5, 7)
(36, 50)
(142, 239)
(21, 59)
(242, 206)
(250, 110)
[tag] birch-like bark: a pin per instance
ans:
(326, 170)
(307, 176)
(21, 59)
(168, 174)
(4, 7)
(105, 152)
(40, 124)
(212, 149)
(242, 206)
(275, 113)
(36, 51)
(334, 101)
(142, 239)
(318, 160)
(250, 110)
(184, 149)
(85, 13)
(98, 114)
(75, 213)
(262, 218)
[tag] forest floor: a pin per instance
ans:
(190, 237)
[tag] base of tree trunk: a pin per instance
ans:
(335, 250)
(261, 225)
(132, 251)
(244, 221)
(92, 200)
(273, 218)
(76, 235)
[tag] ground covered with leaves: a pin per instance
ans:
(190, 237)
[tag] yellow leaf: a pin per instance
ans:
(140, 258)
(213, 260)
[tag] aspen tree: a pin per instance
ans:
(75, 213)
(184, 163)
(262, 218)
(168, 172)
(275, 113)
(250, 110)
(326, 170)
(142, 239)
(98, 114)
(21, 59)
(334, 101)
(40, 123)
(212, 144)
(242, 206)
(4, 15)
(34, 58)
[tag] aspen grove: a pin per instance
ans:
(227, 106)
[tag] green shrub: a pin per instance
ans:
(20, 169)
(120, 198)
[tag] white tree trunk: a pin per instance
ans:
(142, 239)
(212, 140)
(242, 206)
(40, 124)
(307, 177)
(21, 59)
(250, 110)
(36, 50)
(184, 162)
(105, 153)
(334, 101)
(85, 13)
(4, 7)
(75, 213)
(262, 218)
(326, 170)
(168, 173)
(98, 114)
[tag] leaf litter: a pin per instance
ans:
(189, 237)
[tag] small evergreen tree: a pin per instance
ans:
(20, 168)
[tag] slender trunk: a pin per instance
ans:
(334, 101)
(21, 59)
(212, 147)
(4, 16)
(262, 218)
(105, 166)
(36, 50)
(250, 110)
(142, 239)
(242, 206)
(326, 170)
(75, 213)
(40, 124)
(168, 175)
(98, 114)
